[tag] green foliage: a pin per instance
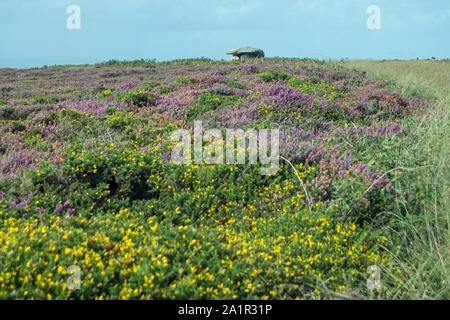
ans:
(138, 98)
(43, 99)
(318, 88)
(274, 75)
(6, 113)
(234, 83)
(149, 85)
(166, 89)
(175, 220)
(419, 228)
(209, 102)
(186, 81)
(119, 119)
(135, 63)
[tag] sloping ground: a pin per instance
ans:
(86, 180)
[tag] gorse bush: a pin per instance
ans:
(42, 99)
(187, 81)
(211, 101)
(165, 89)
(138, 98)
(274, 75)
(148, 85)
(321, 88)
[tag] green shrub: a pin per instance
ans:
(119, 119)
(186, 81)
(209, 102)
(274, 75)
(166, 89)
(149, 85)
(6, 113)
(138, 98)
(43, 99)
(234, 83)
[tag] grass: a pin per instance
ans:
(427, 78)
(425, 233)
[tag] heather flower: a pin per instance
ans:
(167, 156)
(59, 208)
(127, 85)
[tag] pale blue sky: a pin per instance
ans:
(34, 32)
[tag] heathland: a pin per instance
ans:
(357, 209)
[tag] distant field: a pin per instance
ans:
(427, 77)
(357, 208)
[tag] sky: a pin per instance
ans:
(34, 33)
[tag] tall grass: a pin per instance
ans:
(422, 225)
